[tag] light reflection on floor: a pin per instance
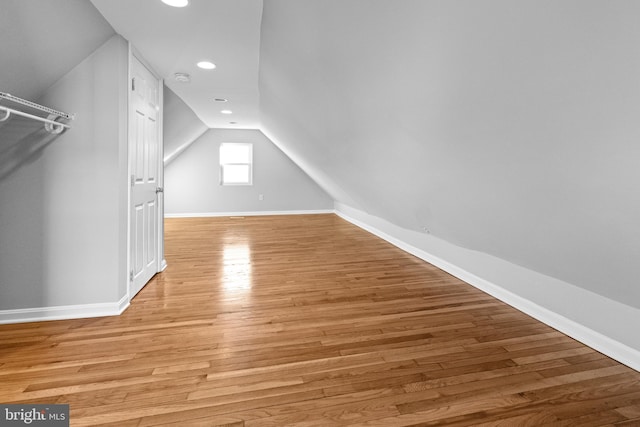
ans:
(236, 267)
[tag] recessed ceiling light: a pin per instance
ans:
(220, 99)
(182, 77)
(226, 112)
(206, 65)
(176, 3)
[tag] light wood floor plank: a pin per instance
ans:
(307, 320)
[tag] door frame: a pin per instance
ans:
(161, 263)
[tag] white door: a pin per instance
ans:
(144, 152)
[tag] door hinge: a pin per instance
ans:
(133, 84)
(133, 180)
(131, 276)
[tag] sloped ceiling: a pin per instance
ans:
(181, 126)
(173, 40)
(42, 40)
(510, 128)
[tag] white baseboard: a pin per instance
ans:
(252, 213)
(605, 325)
(40, 314)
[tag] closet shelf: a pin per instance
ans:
(51, 125)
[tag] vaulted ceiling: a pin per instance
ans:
(174, 39)
(506, 127)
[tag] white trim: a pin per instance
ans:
(128, 152)
(135, 55)
(252, 213)
(64, 312)
(161, 262)
(600, 308)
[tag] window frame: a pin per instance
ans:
(249, 164)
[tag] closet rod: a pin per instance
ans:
(36, 106)
(10, 111)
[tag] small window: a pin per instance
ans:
(236, 163)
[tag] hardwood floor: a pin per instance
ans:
(310, 321)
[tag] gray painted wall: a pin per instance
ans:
(192, 183)
(181, 126)
(63, 200)
(508, 128)
(42, 40)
